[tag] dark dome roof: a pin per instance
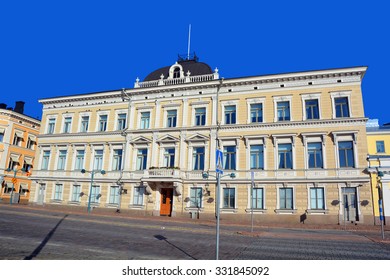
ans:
(196, 68)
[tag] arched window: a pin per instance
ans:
(176, 72)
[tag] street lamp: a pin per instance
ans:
(90, 188)
(14, 181)
(206, 175)
(380, 174)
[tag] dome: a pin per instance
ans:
(181, 67)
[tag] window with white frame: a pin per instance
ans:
(24, 190)
(196, 194)
(121, 122)
(76, 190)
(256, 113)
(169, 157)
(229, 198)
(95, 194)
(18, 139)
(61, 162)
(230, 114)
(171, 118)
(13, 162)
(27, 163)
(138, 196)
(79, 163)
(285, 156)
(317, 198)
(198, 158)
(142, 158)
(102, 125)
(341, 104)
(346, 154)
(51, 125)
(257, 198)
(58, 191)
(286, 198)
(67, 125)
(315, 158)
(229, 157)
(9, 188)
(84, 124)
(256, 156)
(117, 159)
(283, 110)
(312, 109)
(114, 195)
(200, 116)
(145, 120)
(98, 160)
(380, 146)
(45, 160)
(31, 142)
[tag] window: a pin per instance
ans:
(67, 124)
(196, 197)
(2, 131)
(341, 107)
(31, 142)
(18, 139)
(229, 157)
(285, 156)
(95, 194)
(61, 160)
(138, 198)
(98, 160)
(79, 160)
(315, 155)
(145, 120)
(13, 164)
(117, 159)
(317, 201)
(380, 146)
(58, 192)
(346, 156)
(27, 163)
(312, 110)
(114, 195)
(121, 121)
(230, 114)
(229, 197)
(142, 156)
(283, 109)
(257, 156)
(76, 193)
(198, 158)
(176, 73)
(84, 124)
(45, 160)
(200, 116)
(257, 198)
(169, 157)
(9, 187)
(171, 118)
(286, 198)
(256, 113)
(102, 122)
(51, 125)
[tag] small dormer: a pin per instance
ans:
(176, 71)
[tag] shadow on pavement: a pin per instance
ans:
(163, 238)
(43, 243)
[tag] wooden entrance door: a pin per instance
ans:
(166, 202)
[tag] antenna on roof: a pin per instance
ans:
(189, 42)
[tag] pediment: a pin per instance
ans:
(197, 138)
(141, 140)
(168, 139)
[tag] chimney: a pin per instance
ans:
(3, 106)
(19, 107)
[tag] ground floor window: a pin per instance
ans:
(229, 197)
(95, 194)
(286, 198)
(257, 198)
(196, 197)
(317, 201)
(58, 191)
(138, 198)
(76, 190)
(114, 195)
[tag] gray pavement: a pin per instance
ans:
(28, 232)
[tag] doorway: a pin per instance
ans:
(166, 201)
(350, 206)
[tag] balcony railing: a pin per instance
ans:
(176, 81)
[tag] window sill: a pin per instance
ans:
(193, 209)
(111, 205)
(317, 211)
(229, 210)
(139, 207)
(74, 202)
(256, 211)
(55, 201)
(285, 211)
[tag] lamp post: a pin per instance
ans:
(206, 175)
(14, 181)
(90, 188)
(380, 200)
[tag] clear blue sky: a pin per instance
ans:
(54, 48)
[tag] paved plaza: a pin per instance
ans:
(28, 232)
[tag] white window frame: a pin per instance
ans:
(229, 103)
(80, 148)
(201, 187)
(198, 143)
(55, 192)
(116, 196)
(141, 195)
(139, 119)
(342, 137)
(166, 117)
(112, 154)
(311, 96)
(310, 210)
(251, 101)
(42, 158)
(117, 113)
(58, 159)
(284, 98)
(230, 210)
(48, 118)
(314, 137)
(81, 121)
(284, 139)
(255, 140)
(73, 192)
(249, 200)
(99, 114)
(199, 106)
(232, 141)
(337, 94)
(64, 117)
(294, 199)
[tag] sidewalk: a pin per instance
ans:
(373, 232)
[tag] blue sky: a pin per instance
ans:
(54, 48)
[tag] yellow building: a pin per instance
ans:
(301, 136)
(378, 140)
(18, 142)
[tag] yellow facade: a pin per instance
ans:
(306, 162)
(18, 143)
(378, 141)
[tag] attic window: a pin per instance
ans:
(310, 83)
(176, 72)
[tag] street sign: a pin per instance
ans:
(14, 180)
(219, 161)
